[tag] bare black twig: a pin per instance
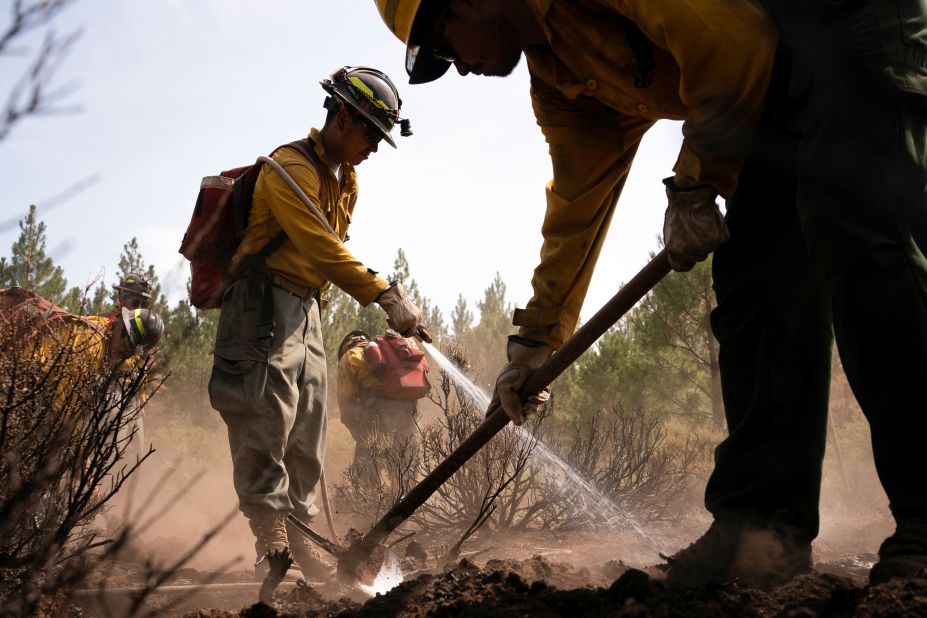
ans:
(35, 93)
(67, 419)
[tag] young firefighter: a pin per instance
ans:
(827, 224)
(366, 409)
(269, 384)
(134, 291)
(76, 348)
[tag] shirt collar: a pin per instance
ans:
(315, 136)
(349, 182)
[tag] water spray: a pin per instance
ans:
(614, 517)
(362, 561)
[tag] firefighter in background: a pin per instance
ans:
(379, 384)
(134, 291)
(53, 335)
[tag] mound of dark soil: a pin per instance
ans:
(527, 588)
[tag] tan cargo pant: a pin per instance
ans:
(381, 419)
(271, 394)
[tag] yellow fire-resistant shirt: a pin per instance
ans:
(713, 63)
(310, 256)
(354, 377)
(73, 353)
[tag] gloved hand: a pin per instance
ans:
(525, 357)
(693, 226)
(402, 315)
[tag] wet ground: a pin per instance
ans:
(529, 588)
(566, 576)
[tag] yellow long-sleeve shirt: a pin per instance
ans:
(71, 350)
(713, 60)
(310, 256)
(354, 376)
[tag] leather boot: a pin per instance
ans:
(270, 543)
(904, 554)
(757, 557)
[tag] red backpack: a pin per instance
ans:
(400, 365)
(218, 224)
(25, 311)
(20, 301)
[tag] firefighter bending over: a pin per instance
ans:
(379, 382)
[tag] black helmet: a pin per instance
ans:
(349, 341)
(143, 326)
(370, 93)
(135, 284)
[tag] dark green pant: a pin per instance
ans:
(828, 228)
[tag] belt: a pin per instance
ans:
(300, 291)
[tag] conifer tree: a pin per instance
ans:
(30, 266)
(461, 318)
(131, 261)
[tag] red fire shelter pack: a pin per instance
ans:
(400, 364)
(218, 224)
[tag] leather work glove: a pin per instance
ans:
(402, 315)
(693, 226)
(525, 357)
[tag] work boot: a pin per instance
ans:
(307, 557)
(904, 554)
(756, 557)
(269, 529)
(278, 562)
(270, 544)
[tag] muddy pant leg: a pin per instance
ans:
(255, 391)
(774, 332)
(863, 210)
(305, 450)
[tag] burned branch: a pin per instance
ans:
(34, 94)
(65, 427)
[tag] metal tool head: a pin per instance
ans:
(359, 563)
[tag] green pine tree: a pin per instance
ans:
(461, 318)
(131, 261)
(487, 340)
(401, 273)
(30, 267)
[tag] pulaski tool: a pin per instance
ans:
(363, 558)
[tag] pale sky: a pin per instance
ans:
(173, 90)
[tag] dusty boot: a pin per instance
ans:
(307, 557)
(767, 559)
(904, 554)
(759, 558)
(706, 561)
(269, 529)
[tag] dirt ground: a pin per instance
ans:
(545, 574)
(528, 574)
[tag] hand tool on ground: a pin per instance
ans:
(362, 560)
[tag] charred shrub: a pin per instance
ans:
(66, 428)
